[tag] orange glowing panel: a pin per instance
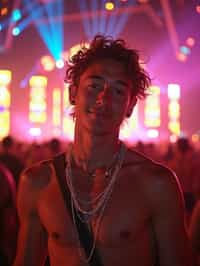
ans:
(4, 11)
(152, 108)
(56, 107)
(174, 127)
(5, 99)
(47, 63)
(4, 123)
(38, 81)
(5, 77)
(174, 109)
(37, 103)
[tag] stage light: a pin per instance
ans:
(15, 31)
(35, 131)
(37, 102)
(198, 8)
(38, 81)
(174, 109)
(173, 91)
(195, 138)
(5, 100)
(16, 15)
(173, 138)
(181, 57)
(5, 77)
(152, 108)
(109, 6)
(60, 63)
(47, 63)
(190, 41)
(52, 31)
(153, 133)
(174, 127)
(1, 27)
(185, 50)
(56, 115)
(4, 11)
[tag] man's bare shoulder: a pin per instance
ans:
(154, 177)
(38, 175)
(33, 181)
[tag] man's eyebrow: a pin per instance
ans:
(119, 81)
(95, 77)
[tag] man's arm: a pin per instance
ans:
(32, 239)
(168, 219)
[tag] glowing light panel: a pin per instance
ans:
(174, 109)
(5, 79)
(152, 108)
(37, 103)
(56, 107)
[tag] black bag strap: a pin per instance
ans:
(85, 237)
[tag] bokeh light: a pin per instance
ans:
(109, 6)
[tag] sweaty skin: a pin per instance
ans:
(144, 217)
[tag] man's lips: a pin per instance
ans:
(100, 113)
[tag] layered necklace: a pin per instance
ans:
(87, 210)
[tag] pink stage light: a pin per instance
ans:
(35, 131)
(152, 133)
(190, 41)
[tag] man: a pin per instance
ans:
(132, 206)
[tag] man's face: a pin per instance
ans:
(103, 97)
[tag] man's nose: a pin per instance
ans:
(103, 95)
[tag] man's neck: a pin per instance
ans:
(92, 152)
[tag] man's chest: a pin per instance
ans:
(123, 218)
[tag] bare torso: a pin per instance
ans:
(127, 231)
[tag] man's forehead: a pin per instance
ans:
(106, 67)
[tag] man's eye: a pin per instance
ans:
(119, 91)
(92, 86)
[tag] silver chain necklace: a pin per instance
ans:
(100, 200)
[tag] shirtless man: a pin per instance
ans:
(133, 205)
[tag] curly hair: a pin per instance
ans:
(106, 47)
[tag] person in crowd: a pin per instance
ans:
(8, 217)
(9, 158)
(185, 164)
(131, 206)
(54, 147)
(35, 152)
(194, 233)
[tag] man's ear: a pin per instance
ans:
(131, 106)
(72, 94)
